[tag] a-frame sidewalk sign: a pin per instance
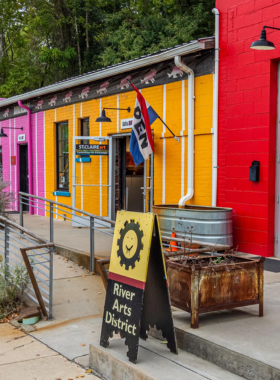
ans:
(137, 291)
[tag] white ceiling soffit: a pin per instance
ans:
(192, 47)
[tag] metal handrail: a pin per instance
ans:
(8, 221)
(11, 257)
(218, 247)
(69, 207)
(32, 276)
(53, 208)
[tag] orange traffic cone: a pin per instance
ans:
(173, 244)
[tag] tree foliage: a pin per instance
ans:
(44, 41)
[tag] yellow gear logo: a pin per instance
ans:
(130, 244)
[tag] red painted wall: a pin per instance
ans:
(247, 120)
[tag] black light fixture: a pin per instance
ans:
(2, 134)
(262, 43)
(104, 119)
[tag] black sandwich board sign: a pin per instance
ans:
(137, 291)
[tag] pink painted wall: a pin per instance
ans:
(10, 147)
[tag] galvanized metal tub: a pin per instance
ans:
(209, 224)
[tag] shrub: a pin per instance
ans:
(6, 198)
(13, 283)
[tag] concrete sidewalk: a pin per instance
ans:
(236, 340)
(76, 293)
(78, 309)
(24, 357)
(154, 359)
(73, 238)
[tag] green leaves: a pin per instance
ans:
(56, 57)
(44, 41)
(156, 25)
(12, 286)
(218, 260)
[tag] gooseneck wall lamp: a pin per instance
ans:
(262, 43)
(104, 119)
(2, 134)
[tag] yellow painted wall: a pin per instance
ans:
(168, 188)
(51, 118)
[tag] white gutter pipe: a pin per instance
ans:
(189, 71)
(215, 110)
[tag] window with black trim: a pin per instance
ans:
(62, 156)
(85, 130)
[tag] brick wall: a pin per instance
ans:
(172, 184)
(10, 147)
(247, 120)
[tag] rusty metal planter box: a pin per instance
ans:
(199, 289)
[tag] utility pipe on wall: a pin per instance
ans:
(189, 71)
(215, 110)
(29, 146)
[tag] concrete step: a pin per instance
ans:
(155, 362)
(222, 356)
(78, 340)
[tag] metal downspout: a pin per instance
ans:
(215, 110)
(30, 176)
(191, 98)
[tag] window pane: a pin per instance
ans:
(62, 156)
(63, 147)
(85, 130)
(59, 149)
(65, 132)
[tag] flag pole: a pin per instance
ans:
(175, 137)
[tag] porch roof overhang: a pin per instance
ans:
(163, 55)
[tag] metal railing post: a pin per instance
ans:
(145, 186)
(51, 284)
(20, 212)
(91, 225)
(51, 262)
(51, 222)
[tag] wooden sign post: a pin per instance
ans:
(137, 291)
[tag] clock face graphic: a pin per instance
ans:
(130, 244)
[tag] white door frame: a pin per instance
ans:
(74, 184)
(147, 176)
(150, 186)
